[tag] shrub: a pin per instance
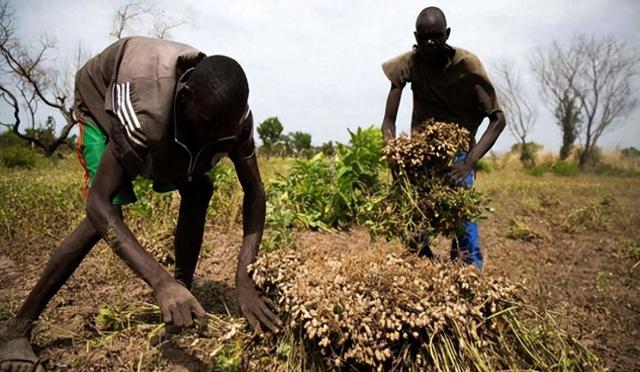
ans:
(538, 170)
(17, 157)
(565, 168)
(319, 193)
(9, 138)
(483, 166)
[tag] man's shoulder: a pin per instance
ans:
(401, 59)
(398, 69)
(466, 58)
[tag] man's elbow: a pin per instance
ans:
(499, 121)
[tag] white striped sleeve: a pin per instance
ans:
(127, 115)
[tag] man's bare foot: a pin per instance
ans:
(16, 353)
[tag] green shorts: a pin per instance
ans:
(90, 146)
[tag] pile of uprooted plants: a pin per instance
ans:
(384, 308)
(421, 199)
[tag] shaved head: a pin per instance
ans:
(431, 35)
(431, 19)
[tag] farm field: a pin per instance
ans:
(571, 241)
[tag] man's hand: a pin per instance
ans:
(460, 171)
(253, 304)
(176, 304)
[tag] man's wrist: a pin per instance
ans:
(162, 282)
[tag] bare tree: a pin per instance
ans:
(139, 11)
(163, 23)
(24, 71)
(126, 15)
(557, 69)
(520, 113)
(604, 87)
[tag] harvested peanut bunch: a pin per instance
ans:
(382, 309)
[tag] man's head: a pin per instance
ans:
(432, 34)
(214, 99)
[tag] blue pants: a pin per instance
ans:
(465, 244)
(468, 244)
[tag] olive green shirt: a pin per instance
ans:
(460, 92)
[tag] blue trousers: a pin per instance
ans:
(466, 244)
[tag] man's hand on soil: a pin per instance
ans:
(177, 304)
(255, 306)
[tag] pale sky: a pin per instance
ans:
(316, 64)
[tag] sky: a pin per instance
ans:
(316, 64)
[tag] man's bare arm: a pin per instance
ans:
(175, 301)
(252, 302)
(496, 126)
(462, 168)
(391, 112)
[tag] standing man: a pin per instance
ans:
(164, 111)
(450, 85)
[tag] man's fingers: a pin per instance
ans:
(264, 319)
(272, 316)
(198, 310)
(270, 302)
(187, 320)
(177, 316)
(166, 314)
(253, 322)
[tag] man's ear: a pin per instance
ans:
(447, 33)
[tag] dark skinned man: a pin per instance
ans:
(449, 84)
(164, 111)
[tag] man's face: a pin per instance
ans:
(207, 127)
(431, 41)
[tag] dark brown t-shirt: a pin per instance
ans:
(460, 92)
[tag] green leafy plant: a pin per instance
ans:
(538, 170)
(322, 193)
(519, 230)
(565, 168)
(17, 157)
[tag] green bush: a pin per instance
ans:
(538, 170)
(565, 168)
(321, 193)
(9, 138)
(483, 166)
(17, 157)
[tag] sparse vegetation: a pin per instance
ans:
(519, 230)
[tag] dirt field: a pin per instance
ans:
(571, 241)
